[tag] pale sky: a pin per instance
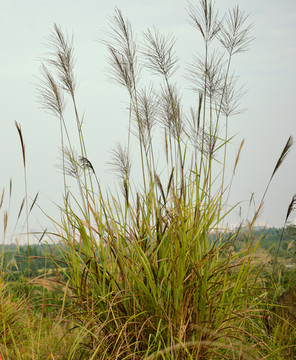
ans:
(268, 71)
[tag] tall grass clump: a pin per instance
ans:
(151, 269)
(28, 330)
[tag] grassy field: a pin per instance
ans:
(151, 271)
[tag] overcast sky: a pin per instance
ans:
(268, 71)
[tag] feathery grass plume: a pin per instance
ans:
(19, 130)
(146, 113)
(205, 19)
(234, 34)
(161, 59)
(192, 126)
(62, 62)
(234, 37)
(124, 69)
(50, 95)
(203, 141)
(71, 165)
(210, 140)
(159, 53)
(51, 98)
(62, 59)
(231, 96)
(122, 48)
(170, 111)
(206, 73)
(120, 164)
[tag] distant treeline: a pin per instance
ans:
(30, 260)
(36, 259)
(270, 239)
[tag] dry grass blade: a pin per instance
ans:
(34, 201)
(138, 209)
(170, 183)
(238, 155)
(18, 126)
(291, 207)
(257, 214)
(21, 208)
(291, 243)
(10, 188)
(41, 237)
(166, 144)
(5, 220)
(159, 184)
(284, 153)
(2, 198)
(86, 164)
